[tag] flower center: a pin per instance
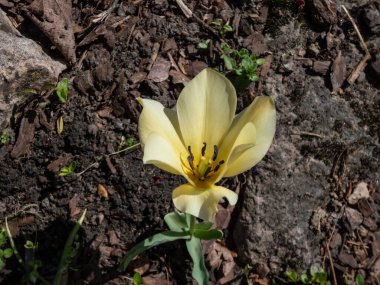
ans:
(202, 167)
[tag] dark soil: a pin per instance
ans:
(149, 49)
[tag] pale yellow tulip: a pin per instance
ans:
(204, 140)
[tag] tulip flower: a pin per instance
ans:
(204, 141)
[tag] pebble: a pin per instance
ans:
(321, 67)
(360, 192)
(354, 218)
(336, 241)
(347, 259)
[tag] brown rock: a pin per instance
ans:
(353, 217)
(347, 259)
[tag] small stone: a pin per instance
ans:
(360, 254)
(375, 65)
(353, 217)
(336, 241)
(363, 232)
(347, 259)
(371, 16)
(360, 192)
(370, 224)
(314, 49)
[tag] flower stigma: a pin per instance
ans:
(201, 168)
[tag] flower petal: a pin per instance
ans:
(206, 107)
(156, 118)
(262, 114)
(161, 153)
(201, 202)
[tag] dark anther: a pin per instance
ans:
(218, 166)
(191, 154)
(215, 153)
(204, 149)
(190, 160)
(208, 170)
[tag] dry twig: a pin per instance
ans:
(359, 68)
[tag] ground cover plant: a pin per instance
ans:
(72, 141)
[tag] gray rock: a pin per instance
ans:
(24, 66)
(354, 218)
(360, 192)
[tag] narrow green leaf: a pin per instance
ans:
(208, 234)
(199, 273)
(152, 241)
(67, 250)
(304, 279)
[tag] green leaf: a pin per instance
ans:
(314, 269)
(62, 90)
(229, 62)
(205, 225)
(292, 275)
(260, 61)
(8, 252)
(66, 170)
(217, 23)
(152, 241)
(2, 263)
(137, 279)
(228, 28)
(359, 280)
(208, 234)
(176, 221)
(199, 273)
(304, 279)
(30, 245)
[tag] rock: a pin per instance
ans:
(371, 17)
(24, 66)
(347, 259)
(353, 217)
(360, 192)
(375, 65)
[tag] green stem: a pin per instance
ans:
(63, 263)
(12, 243)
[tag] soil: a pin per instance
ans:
(118, 51)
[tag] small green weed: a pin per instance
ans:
(316, 276)
(5, 252)
(241, 62)
(137, 279)
(62, 90)
(359, 280)
(5, 138)
(66, 170)
(222, 28)
(204, 44)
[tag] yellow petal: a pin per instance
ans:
(206, 107)
(262, 114)
(156, 118)
(161, 153)
(201, 202)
